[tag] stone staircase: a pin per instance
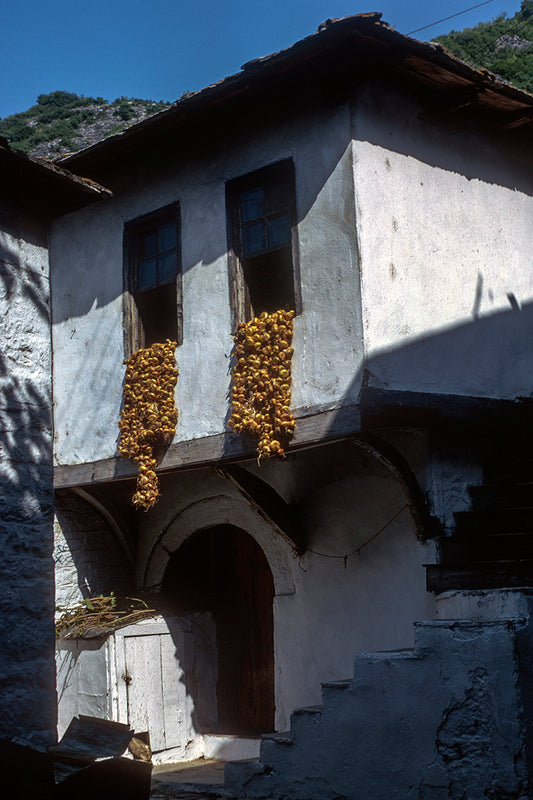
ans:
(450, 719)
(492, 545)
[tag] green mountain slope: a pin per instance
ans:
(63, 122)
(503, 46)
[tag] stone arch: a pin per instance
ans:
(388, 455)
(222, 510)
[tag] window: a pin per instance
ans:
(263, 244)
(153, 279)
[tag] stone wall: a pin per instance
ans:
(27, 675)
(88, 558)
(448, 720)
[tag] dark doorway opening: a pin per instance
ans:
(222, 570)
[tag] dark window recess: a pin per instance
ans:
(263, 242)
(153, 279)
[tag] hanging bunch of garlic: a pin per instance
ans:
(149, 416)
(261, 393)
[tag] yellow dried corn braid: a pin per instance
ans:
(149, 415)
(261, 394)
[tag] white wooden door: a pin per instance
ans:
(152, 696)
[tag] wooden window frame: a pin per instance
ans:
(241, 306)
(133, 329)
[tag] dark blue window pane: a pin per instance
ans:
(253, 238)
(147, 274)
(279, 231)
(252, 204)
(166, 237)
(149, 245)
(166, 267)
(276, 198)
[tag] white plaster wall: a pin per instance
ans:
(26, 492)
(326, 609)
(86, 256)
(341, 607)
(444, 226)
(439, 225)
(83, 681)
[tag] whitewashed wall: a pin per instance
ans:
(87, 280)
(428, 223)
(325, 609)
(27, 683)
(444, 223)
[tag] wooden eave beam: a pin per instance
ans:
(517, 120)
(268, 503)
(319, 427)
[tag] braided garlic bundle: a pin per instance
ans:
(261, 394)
(149, 416)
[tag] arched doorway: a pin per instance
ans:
(222, 570)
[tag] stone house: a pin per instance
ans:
(353, 617)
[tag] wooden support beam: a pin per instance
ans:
(315, 428)
(112, 517)
(268, 503)
(517, 120)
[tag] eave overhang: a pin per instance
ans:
(41, 187)
(342, 51)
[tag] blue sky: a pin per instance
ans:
(157, 49)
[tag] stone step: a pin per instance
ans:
(484, 604)
(272, 745)
(378, 740)
(462, 552)
(509, 467)
(480, 523)
(279, 736)
(228, 747)
(305, 720)
(445, 638)
(332, 690)
(488, 576)
(502, 496)
(380, 666)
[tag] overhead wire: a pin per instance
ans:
(514, 29)
(452, 16)
(345, 556)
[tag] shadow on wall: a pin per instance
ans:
(479, 373)
(88, 559)
(221, 574)
(440, 138)
(25, 395)
(489, 359)
(396, 122)
(26, 498)
(101, 227)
